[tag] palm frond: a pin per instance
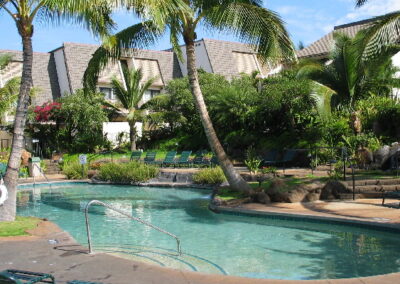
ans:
(257, 26)
(360, 3)
(382, 33)
(4, 61)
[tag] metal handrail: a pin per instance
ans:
(178, 242)
(43, 174)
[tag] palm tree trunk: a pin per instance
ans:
(132, 135)
(236, 182)
(8, 210)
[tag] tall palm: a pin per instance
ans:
(94, 14)
(246, 19)
(384, 32)
(347, 75)
(130, 96)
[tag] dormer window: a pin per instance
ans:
(108, 93)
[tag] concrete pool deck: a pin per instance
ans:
(67, 260)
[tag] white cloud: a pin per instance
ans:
(373, 8)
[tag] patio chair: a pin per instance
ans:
(270, 158)
(199, 160)
(287, 158)
(183, 160)
(168, 160)
(12, 276)
(150, 158)
(3, 169)
(135, 156)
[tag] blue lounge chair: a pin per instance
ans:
(135, 156)
(183, 160)
(13, 276)
(169, 159)
(150, 157)
(270, 158)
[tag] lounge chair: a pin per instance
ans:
(270, 158)
(150, 158)
(3, 169)
(12, 276)
(168, 160)
(198, 160)
(183, 159)
(135, 156)
(287, 158)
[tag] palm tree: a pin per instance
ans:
(130, 95)
(246, 19)
(384, 32)
(94, 14)
(347, 75)
(8, 96)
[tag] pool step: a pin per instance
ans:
(162, 257)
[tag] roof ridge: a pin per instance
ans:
(360, 22)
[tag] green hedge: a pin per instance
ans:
(73, 170)
(209, 176)
(129, 172)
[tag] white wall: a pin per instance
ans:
(396, 62)
(61, 71)
(202, 60)
(112, 129)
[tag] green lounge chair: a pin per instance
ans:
(269, 158)
(135, 156)
(12, 276)
(183, 159)
(150, 158)
(214, 161)
(3, 169)
(198, 160)
(169, 159)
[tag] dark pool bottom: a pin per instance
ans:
(275, 247)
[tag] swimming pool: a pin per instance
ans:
(255, 247)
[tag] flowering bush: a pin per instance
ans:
(47, 111)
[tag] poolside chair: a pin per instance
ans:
(150, 158)
(3, 169)
(183, 160)
(199, 160)
(391, 194)
(287, 158)
(135, 156)
(12, 276)
(270, 158)
(168, 160)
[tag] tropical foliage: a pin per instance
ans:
(127, 173)
(247, 20)
(130, 96)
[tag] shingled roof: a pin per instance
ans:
(77, 57)
(322, 47)
(44, 74)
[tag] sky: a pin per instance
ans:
(306, 21)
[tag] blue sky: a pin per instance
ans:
(306, 20)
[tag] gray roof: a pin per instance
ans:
(221, 57)
(77, 57)
(322, 47)
(44, 75)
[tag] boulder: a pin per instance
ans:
(238, 202)
(263, 198)
(333, 189)
(381, 155)
(217, 201)
(313, 196)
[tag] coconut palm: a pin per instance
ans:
(383, 32)
(93, 14)
(245, 19)
(347, 76)
(130, 96)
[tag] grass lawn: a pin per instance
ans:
(18, 227)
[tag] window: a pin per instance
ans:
(108, 93)
(149, 94)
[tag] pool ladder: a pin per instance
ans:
(178, 242)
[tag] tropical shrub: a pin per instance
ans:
(209, 176)
(74, 170)
(127, 173)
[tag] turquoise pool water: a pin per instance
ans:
(213, 243)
